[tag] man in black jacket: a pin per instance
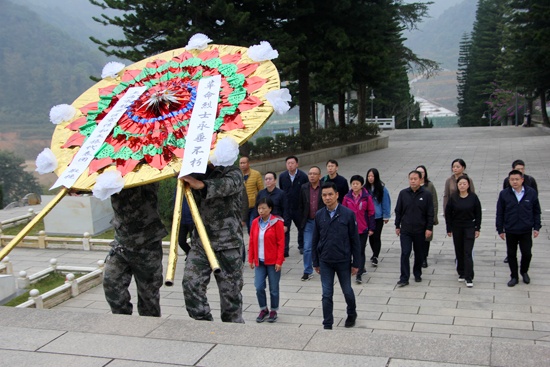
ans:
(277, 196)
(414, 219)
(336, 250)
(518, 213)
(530, 181)
(290, 181)
(310, 202)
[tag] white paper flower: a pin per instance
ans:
(262, 52)
(62, 112)
(46, 161)
(111, 69)
(279, 99)
(107, 184)
(225, 153)
(198, 41)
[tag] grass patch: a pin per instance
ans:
(51, 281)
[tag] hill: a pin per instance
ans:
(40, 66)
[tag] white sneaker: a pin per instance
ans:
(469, 283)
(460, 279)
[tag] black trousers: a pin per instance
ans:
(374, 240)
(463, 240)
(525, 242)
(296, 217)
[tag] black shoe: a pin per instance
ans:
(506, 260)
(425, 263)
(287, 254)
(301, 249)
(306, 277)
(526, 278)
(327, 327)
(350, 321)
(402, 283)
(358, 279)
(374, 261)
(512, 282)
(417, 279)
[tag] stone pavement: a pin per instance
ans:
(438, 322)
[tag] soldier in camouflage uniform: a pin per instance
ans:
(219, 197)
(136, 250)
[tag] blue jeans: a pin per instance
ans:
(308, 242)
(260, 273)
(410, 241)
(343, 270)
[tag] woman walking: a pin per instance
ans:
(266, 253)
(428, 185)
(382, 210)
(463, 219)
(458, 166)
(360, 202)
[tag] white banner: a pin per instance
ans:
(201, 126)
(88, 150)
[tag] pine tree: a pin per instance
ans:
(463, 62)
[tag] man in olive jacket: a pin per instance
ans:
(336, 250)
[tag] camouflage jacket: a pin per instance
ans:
(137, 220)
(220, 205)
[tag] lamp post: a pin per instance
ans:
(372, 97)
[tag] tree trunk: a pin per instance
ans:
(303, 100)
(342, 109)
(361, 104)
(314, 122)
(329, 116)
(545, 121)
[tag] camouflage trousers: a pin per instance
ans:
(145, 265)
(230, 283)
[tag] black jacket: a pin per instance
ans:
(518, 217)
(292, 188)
(280, 205)
(304, 203)
(414, 211)
(335, 239)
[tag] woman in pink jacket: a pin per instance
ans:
(360, 202)
(266, 252)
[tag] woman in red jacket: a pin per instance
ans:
(266, 254)
(360, 202)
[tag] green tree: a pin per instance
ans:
(527, 46)
(14, 180)
(462, 76)
(482, 63)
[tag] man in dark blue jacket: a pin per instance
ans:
(518, 213)
(336, 250)
(414, 220)
(290, 181)
(277, 196)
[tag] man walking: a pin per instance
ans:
(414, 219)
(333, 176)
(530, 181)
(253, 184)
(518, 213)
(291, 182)
(276, 195)
(310, 202)
(336, 250)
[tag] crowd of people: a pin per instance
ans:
(335, 219)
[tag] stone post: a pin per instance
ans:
(42, 239)
(86, 241)
(7, 263)
(74, 285)
(37, 298)
(23, 281)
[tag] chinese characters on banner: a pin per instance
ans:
(201, 126)
(84, 156)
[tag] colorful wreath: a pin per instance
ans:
(148, 141)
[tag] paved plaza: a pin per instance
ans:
(438, 322)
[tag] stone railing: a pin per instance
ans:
(72, 287)
(86, 242)
(12, 222)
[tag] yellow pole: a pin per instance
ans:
(199, 227)
(173, 252)
(15, 241)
